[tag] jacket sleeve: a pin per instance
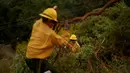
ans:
(58, 40)
(66, 34)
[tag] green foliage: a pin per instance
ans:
(103, 38)
(108, 32)
(98, 27)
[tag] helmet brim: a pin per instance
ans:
(48, 17)
(73, 39)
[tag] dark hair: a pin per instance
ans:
(44, 19)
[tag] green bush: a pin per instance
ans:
(104, 41)
(108, 33)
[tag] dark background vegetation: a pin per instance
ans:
(16, 16)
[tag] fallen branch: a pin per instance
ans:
(77, 19)
(98, 12)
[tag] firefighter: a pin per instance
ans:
(42, 41)
(74, 43)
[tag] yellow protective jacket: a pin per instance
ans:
(42, 41)
(76, 47)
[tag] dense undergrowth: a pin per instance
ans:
(105, 43)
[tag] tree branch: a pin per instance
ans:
(98, 12)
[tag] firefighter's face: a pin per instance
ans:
(51, 23)
(73, 41)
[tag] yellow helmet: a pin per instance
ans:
(73, 37)
(49, 13)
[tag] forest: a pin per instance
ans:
(101, 26)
